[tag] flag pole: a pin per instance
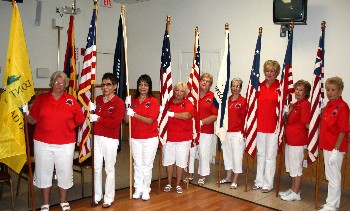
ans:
(220, 152)
(323, 27)
(128, 93)
(161, 156)
(283, 141)
(29, 163)
(93, 87)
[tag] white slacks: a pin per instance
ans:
(105, 149)
(143, 153)
(333, 175)
(232, 151)
(205, 143)
(266, 144)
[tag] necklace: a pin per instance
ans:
(107, 98)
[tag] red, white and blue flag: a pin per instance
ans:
(193, 85)
(87, 78)
(221, 92)
(317, 97)
(70, 59)
(166, 87)
(250, 128)
(286, 89)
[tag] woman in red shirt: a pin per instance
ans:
(179, 132)
(334, 136)
(233, 148)
(144, 110)
(56, 115)
(296, 138)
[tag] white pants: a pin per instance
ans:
(143, 153)
(193, 152)
(105, 149)
(204, 147)
(294, 157)
(333, 175)
(50, 156)
(266, 144)
(233, 150)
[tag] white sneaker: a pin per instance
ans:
(285, 193)
(326, 208)
(136, 195)
(292, 197)
(145, 196)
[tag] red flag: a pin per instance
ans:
(70, 58)
(317, 96)
(88, 77)
(193, 86)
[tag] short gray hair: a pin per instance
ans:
(59, 74)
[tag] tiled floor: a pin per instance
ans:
(122, 169)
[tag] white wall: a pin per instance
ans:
(145, 23)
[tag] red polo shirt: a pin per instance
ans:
(206, 108)
(335, 119)
(267, 106)
(148, 108)
(56, 120)
(236, 114)
(111, 115)
(296, 132)
(180, 129)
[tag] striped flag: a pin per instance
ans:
(18, 88)
(250, 129)
(193, 85)
(222, 90)
(88, 77)
(166, 87)
(317, 97)
(286, 88)
(70, 59)
(119, 65)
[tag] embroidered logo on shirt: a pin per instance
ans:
(278, 90)
(208, 100)
(334, 113)
(110, 109)
(183, 105)
(238, 105)
(69, 102)
(148, 104)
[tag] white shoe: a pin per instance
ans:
(285, 193)
(136, 195)
(292, 197)
(326, 208)
(145, 196)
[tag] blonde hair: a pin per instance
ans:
(336, 81)
(208, 75)
(183, 85)
(59, 74)
(272, 64)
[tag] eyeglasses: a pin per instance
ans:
(107, 85)
(59, 83)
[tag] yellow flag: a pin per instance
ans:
(19, 88)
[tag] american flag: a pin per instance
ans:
(88, 77)
(119, 66)
(193, 85)
(166, 87)
(250, 129)
(222, 90)
(317, 97)
(286, 88)
(70, 59)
